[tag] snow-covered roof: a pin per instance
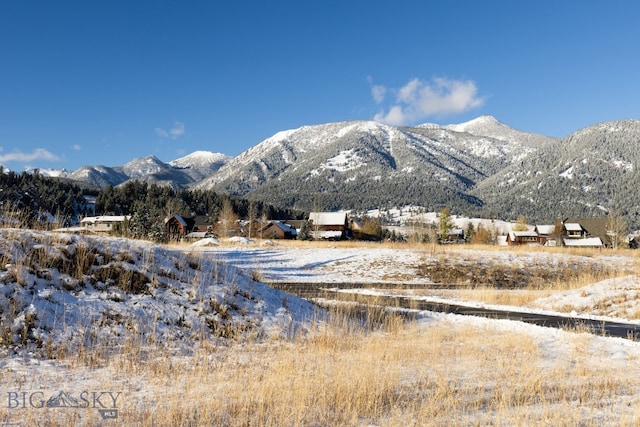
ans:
(546, 229)
(328, 218)
(180, 219)
(588, 242)
(105, 218)
(286, 227)
(523, 234)
(573, 226)
(321, 234)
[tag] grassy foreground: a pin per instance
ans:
(437, 372)
(396, 374)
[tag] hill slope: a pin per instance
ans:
(367, 164)
(61, 293)
(583, 174)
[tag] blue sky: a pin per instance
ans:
(87, 83)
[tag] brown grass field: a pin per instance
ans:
(391, 372)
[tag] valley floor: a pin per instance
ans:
(441, 369)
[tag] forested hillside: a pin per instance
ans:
(31, 200)
(359, 165)
(586, 173)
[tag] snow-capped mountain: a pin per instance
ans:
(587, 172)
(51, 173)
(351, 164)
(98, 176)
(481, 167)
(200, 164)
(178, 173)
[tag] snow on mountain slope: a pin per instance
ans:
(200, 164)
(322, 145)
(497, 137)
(98, 176)
(142, 166)
(346, 157)
(278, 152)
(201, 159)
(52, 173)
(584, 174)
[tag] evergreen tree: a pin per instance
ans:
(469, 232)
(305, 231)
(445, 223)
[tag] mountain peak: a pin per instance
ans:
(479, 125)
(200, 157)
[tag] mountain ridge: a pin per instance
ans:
(482, 167)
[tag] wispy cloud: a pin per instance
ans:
(76, 147)
(378, 92)
(418, 100)
(175, 132)
(19, 156)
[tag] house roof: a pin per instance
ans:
(105, 218)
(523, 234)
(180, 219)
(201, 220)
(587, 242)
(326, 234)
(328, 218)
(595, 227)
(572, 226)
(545, 229)
(286, 227)
(281, 225)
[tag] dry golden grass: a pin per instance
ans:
(385, 372)
(527, 294)
(344, 374)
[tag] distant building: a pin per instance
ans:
(546, 234)
(178, 226)
(329, 225)
(515, 238)
(584, 228)
(104, 224)
(277, 230)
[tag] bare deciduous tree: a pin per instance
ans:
(227, 219)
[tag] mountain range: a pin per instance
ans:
(482, 167)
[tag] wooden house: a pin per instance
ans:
(546, 234)
(588, 228)
(277, 230)
(455, 235)
(178, 226)
(104, 223)
(357, 229)
(573, 230)
(329, 225)
(515, 238)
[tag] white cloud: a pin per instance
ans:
(162, 133)
(19, 156)
(378, 92)
(76, 147)
(418, 100)
(175, 132)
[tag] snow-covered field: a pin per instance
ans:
(63, 295)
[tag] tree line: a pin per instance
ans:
(31, 200)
